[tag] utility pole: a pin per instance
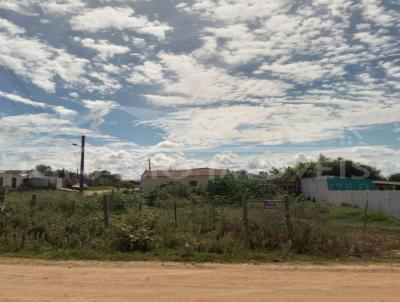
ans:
(81, 181)
(149, 164)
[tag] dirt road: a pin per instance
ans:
(27, 280)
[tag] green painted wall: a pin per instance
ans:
(349, 184)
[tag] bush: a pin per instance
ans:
(136, 234)
(121, 201)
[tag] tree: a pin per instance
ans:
(241, 175)
(394, 177)
(105, 178)
(326, 166)
(44, 169)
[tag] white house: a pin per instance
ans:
(17, 179)
(13, 179)
(190, 177)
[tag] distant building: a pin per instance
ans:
(386, 185)
(22, 179)
(190, 177)
(13, 179)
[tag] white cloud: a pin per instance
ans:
(276, 123)
(255, 29)
(302, 72)
(11, 28)
(31, 7)
(62, 111)
(22, 100)
(147, 73)
(374, 12)
(99, 109)
(166, 145)
(114, 18)
(392, 68)
(105, 49)
(193, 83)
(62, 7)
(38, 62)
(65, 112)
(19, 6)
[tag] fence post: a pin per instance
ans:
(106, 211)
(245, 212)
(213, 213)
(366, 213)
(33, 203)
(175, 214)
(351, 197)
(288, 218)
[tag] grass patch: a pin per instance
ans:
(66, 225)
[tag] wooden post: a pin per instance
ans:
(288, 218)
(106, 211)
(175, 214)
(140, 207)
(213, 214)
(245, 212)
(33, 203)
(366, 213)
(82, 174)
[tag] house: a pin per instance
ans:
(191, 177)
(13, 179)
(386, 185)
(25, 179)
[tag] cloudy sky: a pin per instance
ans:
(222, 83)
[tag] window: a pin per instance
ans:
(193, 183)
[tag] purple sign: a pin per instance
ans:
(271, 205)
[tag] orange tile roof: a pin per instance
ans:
(186, 173)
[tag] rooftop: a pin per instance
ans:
(385, 182)
(186, 173)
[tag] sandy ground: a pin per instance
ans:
(28, 280)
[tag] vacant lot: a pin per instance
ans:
(194, 227)
(27, 280)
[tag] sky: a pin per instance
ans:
(240, 84)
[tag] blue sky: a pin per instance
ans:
(250, 84)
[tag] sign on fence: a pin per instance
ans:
(271, 206)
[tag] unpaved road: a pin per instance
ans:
(28, 280)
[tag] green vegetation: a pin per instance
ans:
(210, 225)
(99, 188)
(394, 177)
(339, 167)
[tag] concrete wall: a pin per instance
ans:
(387, 202)
(33, 182)
(7, 179)
(45, 182)
(149, 183)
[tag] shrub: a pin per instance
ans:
(136, 234)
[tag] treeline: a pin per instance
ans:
(323, 166)
(223, 190)
(97, 177)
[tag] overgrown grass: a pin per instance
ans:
(99, 188)
(63, 225)
(349, 216)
